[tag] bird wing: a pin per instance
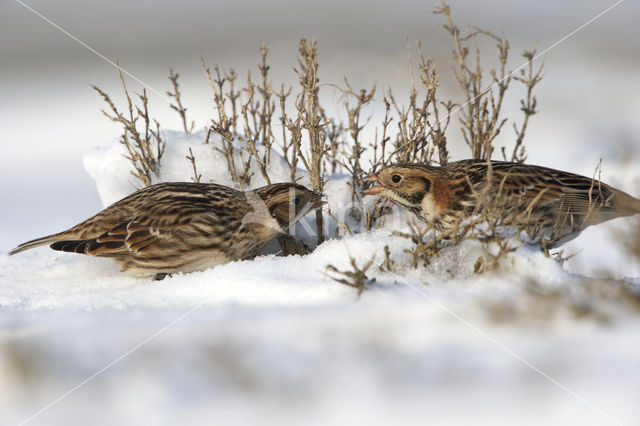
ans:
(568, 193)
(563, 192)
(170, 222)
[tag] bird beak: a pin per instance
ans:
(375, 189)
(316, 200)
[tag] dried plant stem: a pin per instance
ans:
(310, 119)
(288, 146)
(356, 278)
(226, 125)
(530, 79)
(144, 148)
(182, 111)
(196, 176)
(480, 117)
(355, 148)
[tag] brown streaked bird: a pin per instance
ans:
(549, 198)
(185, 227)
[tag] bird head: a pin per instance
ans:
(289, 202)
(406, 184)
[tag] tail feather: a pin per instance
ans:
(49, 239)
(62, 242)
(627, 204)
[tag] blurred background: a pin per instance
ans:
(589, 104)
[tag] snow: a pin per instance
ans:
(275, 340)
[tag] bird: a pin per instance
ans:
(174, 227)
(558, 204)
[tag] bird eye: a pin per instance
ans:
(296, 201)
(396, 178)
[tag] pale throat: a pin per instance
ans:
(429, 207)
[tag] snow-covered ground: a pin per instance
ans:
(275, 340)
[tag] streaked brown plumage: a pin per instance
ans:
(551, 199)
(184, 227)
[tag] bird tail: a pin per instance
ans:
(627, 203)
(49, 239)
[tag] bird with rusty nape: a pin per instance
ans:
(557, 202)
(184, 227)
